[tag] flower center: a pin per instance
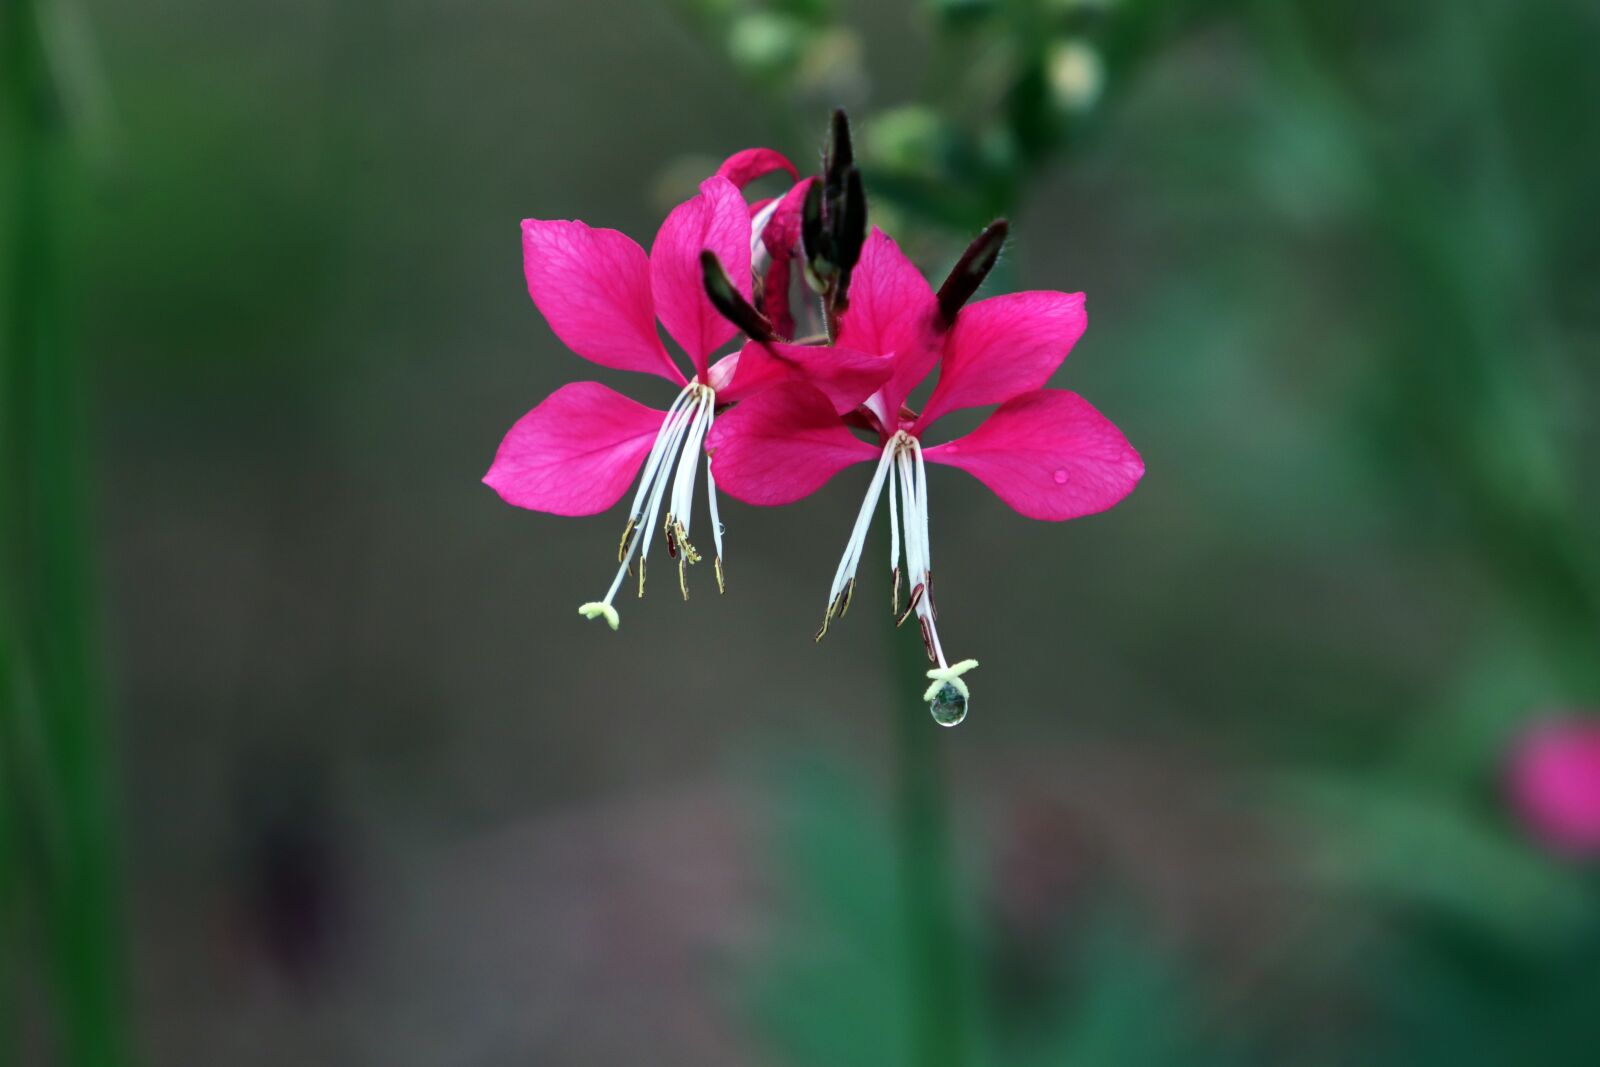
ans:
(673, 461)
(902, 462)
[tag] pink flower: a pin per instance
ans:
(1045, 452)
(1554, 782)
(579, 450)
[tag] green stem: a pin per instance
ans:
(936, 971)
(53, 765)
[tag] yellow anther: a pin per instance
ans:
(685, 549)
(622, 546)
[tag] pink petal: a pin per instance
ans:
(1555, 784)
(746, 166)
(782, 444)
(892, 309)
(1003, 347)
(781, 238)
(593, 288)
(846, 377)
(1048, 454)
(576, 453)
(717, 219)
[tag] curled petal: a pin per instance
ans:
(1003, 347)
(1049, 455)
(846, 377)
(892, 309)
(746, 166)
(781, 238)
(716, 219)
(782, 444)
(576, 453)
(593, 288)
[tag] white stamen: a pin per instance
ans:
(711, 499)
(758, 228)
(846, 571)
(659, 490)
(922, 498)
(688, 466)
(894, 531)
(657, 452)
(916, 567)
(672, 460)
(902, 467)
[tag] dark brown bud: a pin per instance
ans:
(851, 233)
(729, 302)
(840, 155)
(811, 232)
(971, 269)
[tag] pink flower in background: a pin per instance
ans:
(1554, 783)
(1045, 452)
(579, 450)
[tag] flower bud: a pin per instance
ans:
(971, 269)
(729, 302)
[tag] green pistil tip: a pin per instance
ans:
(594, 609)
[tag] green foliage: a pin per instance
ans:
(1122, 1001)
(832, 985)
(58, 892)
(830, 988)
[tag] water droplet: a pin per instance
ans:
(948, 706)
(1060, 476)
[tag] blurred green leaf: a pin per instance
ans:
(1122, 1003)
(1397, 845)
(830, 988)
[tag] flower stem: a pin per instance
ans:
(936, 969)
(57, 832)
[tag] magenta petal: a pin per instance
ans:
(782, 235)
(892, 309)
(782, 238)
(1048, 454)
(576, 453)
(716, 219)
(781, 444)
(746, 166)
(1555, 784)
(1003, 347)
(846, 377)
(593, 288)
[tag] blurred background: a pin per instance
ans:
(308, 759)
